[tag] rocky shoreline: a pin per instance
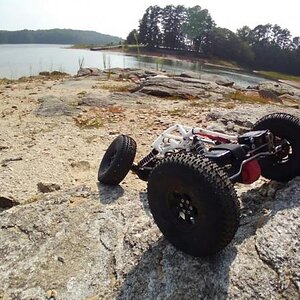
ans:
(64, 236)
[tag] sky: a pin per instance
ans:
(120, 17)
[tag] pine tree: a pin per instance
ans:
(172, 20)
(149, 29)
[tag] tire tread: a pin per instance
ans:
(217, 178)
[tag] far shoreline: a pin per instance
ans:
(170, 55)
(133, 50)
(290, 80)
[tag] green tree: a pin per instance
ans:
(261, 34)
(281, 37)
(227, 45)
(132, 37)
(295, 44)
(149, 29)
(267, 47)
(172, 20)
(244, 33)
(198, 27)
(271, 46)
(56, 36)
(294, 58)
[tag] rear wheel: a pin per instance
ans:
(194, 204)
(285, 165)
(117, 160)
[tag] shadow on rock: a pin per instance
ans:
(166, 273)
(109, 194)
(163, 272)
(7, 203)
(145, 203)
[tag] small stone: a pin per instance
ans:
(7, 202)
(51, 295)
(216, 127)
(270, 95)
(81, 165)
(230, 126)
(47, 187)
(61, 259)
(44, 73)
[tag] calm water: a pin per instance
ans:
(24, 60)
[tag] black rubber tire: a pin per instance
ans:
(117, 160)
(284, 127)
(214, 203)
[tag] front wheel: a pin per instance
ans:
(285, 165)
(193, 203)
(117, 160)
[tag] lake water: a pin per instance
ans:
(30, 59)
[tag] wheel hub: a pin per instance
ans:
(183, 208)
(285, 150)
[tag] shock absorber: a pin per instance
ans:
(198, 145)
(148, 158)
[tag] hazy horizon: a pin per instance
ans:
(58, 29)
(119, 18)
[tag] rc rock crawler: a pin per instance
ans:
(191, 174)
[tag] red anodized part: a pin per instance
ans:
(214, 138)
(251, 171)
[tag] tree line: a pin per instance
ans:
(56, 36)
(266, 47)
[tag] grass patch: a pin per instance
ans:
(83, 46)
(177, 112)
(159, 62)
(277, 76)
(5, 81)
(195, 103)
(97, 117)
(201, 103)
(89, 121)
(229, 105)
(134, 48)
(242, 97)
(59, 73)
(224, 63)
(33, 199)
(82, 94)
(117, 87)
(45, 75)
